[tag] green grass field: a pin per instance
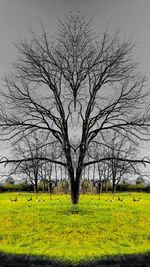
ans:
(57, 229)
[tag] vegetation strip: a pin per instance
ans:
(93, 229)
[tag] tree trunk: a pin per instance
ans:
(99, 181)
(114, 186)
(44, 186)
(75, 184)
(75, 172)
(50, 187)
(100, 187)
(35, 186)
(75, 192)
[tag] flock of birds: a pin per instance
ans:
(122, 199)
(27, 199)
(67, 197)
(37, 199)
(113, 199)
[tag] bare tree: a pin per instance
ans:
(45, 175)
(35, 146)
(103, 176)
(29, 147)
(119, 147)
(75, 88)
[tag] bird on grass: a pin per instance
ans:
(109, 200)
(39, 199)
(120, 199)
(29, 199)
(15, 199)
(136, 199)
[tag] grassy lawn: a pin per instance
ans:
(57, 229)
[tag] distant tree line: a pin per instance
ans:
(88, 186)
(107, 176)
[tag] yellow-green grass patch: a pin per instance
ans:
(59, 230)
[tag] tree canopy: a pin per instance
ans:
(75, 88)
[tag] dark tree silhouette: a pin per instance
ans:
(35, 147)
(29, 147)
(120, 147)
(74, 87)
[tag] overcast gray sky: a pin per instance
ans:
(131, 16)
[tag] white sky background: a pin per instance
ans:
(131, 16)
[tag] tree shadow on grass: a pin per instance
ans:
(11, 260)
(137, 260)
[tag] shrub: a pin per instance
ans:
(2, 188)
(62, 187)
(10, 187)
(88, 187)
(138, 187)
